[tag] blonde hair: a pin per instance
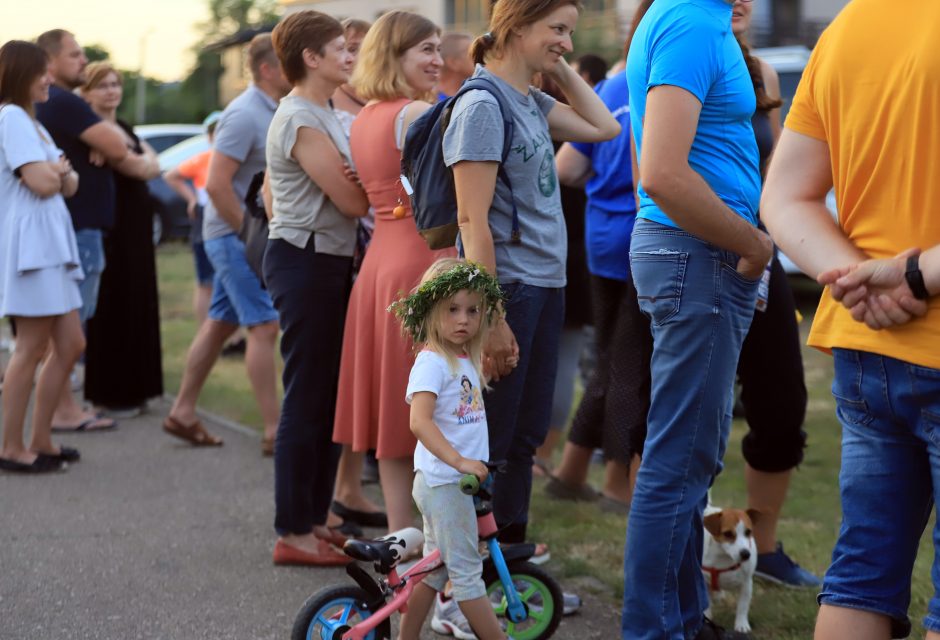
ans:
(378, 74)
(509, 15)
(434, 321)
(96, 72)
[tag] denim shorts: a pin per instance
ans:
(890, 415)
(237, 295)
(205, 274)
(450, 524)
(90, 244)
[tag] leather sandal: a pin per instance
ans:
(362, 518)
(195, 433)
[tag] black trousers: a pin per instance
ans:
(612, 413)
(310, 291)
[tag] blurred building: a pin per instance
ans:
(601, 28)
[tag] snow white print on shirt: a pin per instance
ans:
(470, 409)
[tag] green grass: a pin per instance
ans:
(587, 545)
(227, 391)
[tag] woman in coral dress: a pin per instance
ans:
(397, 71)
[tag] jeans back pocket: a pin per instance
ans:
(658, 277)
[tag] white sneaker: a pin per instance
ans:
(449, 620)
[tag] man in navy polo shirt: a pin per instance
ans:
(696, 257)
(79, 132)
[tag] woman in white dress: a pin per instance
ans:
(39, 263)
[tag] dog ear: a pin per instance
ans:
(713, 523)
(756, 515)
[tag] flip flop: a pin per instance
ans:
(195, 433)
(42, 464)
(94, 423)
(66, 454)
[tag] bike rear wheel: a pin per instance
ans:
(331, 612)
(540, 594)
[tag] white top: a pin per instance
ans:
(36, 233)
(458, 413)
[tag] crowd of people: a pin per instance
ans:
(634, 192)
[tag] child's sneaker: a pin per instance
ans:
(778, 567)
(449, 620)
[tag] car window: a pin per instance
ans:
(164, 141)
(788, 82)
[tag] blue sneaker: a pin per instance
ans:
(779, 568)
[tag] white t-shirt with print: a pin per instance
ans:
(458, 413)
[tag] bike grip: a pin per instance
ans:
(469, 484)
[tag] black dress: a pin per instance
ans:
(123, 365)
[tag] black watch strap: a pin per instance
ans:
(915, 278)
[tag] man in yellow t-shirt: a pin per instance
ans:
(863, 119)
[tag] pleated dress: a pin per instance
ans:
(371, 412)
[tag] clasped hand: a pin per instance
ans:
(875, 291)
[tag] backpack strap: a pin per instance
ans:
(485, 84)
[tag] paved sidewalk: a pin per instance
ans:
(148, 538)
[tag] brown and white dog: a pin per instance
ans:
(730, 557)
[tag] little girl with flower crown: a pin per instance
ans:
(449, 314)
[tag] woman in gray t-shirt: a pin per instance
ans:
(526, 37)
(314, 203)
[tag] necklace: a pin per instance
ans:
(352, 97)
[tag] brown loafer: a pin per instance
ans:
(195, 434)
(284, 554)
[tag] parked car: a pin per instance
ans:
(789, 63)
(167, 222)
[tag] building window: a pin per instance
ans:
(467, 12)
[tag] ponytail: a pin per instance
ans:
(764, 102)
(480, 46)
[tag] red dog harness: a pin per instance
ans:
(716, 573)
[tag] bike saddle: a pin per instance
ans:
(385, 552)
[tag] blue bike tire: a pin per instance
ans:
(326, 613)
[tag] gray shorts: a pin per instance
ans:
(450, 524)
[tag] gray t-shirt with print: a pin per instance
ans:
(540, 259)
(240, 134)
(300, 206)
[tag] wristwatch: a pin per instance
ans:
(915, 278)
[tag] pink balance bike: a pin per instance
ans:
(527, 601)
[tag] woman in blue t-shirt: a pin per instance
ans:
(526, 37)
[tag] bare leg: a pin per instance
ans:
(349, 482)
(840, 623)
(68, 410)
(203, 353)
(482, 619)
(419, 605)
(259, 361)
(575, 461)
(766, 493)
(202, 294)
(634, 469)
(31, 344)
(397, 477)
(547, 450)
(68, 343)
(617, 481)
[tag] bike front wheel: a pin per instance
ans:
(329, 613)
(540, 594)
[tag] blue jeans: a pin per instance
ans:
(91, 252)
(700, 309)
(890, 415)
(519, 407)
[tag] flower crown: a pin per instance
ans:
(413, 310)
